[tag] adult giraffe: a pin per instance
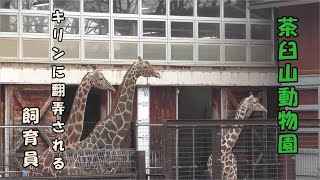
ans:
(110, 131)
(229, 164)
(74, 125)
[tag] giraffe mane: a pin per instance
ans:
(117, 98)
(240, 104)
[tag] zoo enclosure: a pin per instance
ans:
(189, 143)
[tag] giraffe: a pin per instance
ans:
(110, 131)
(229, 164)
(74, 125)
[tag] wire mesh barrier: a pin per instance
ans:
(90, 163)
(93, 162)
(154, 168)
(189, 143)
(179, 149)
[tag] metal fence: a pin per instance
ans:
(189, 143)
(179, 149)
(90, 163)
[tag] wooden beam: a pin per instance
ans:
(232, 99)
(19, 98)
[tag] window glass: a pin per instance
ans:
(36, 4)
(38, 48)
(96, 6)
(154, 51)
(154, 28)
(209, 52)
(96, 50)
(261, 31)
(128, 51)
(8, 23)
(67, 5)
(96, 26)
(235, 31)
(234, 9)
(9, 47)
(181, 52)
(235, 53)
(70, 25)
(70, 47)
(125, 6)
(125, 27)
(260, 13)
(209, 30)
(35, 24)
(208, 8)
(154, 7)
(182, 29)
(261, 53)
(181, 8)
(9, 4)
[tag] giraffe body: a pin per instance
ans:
(228, 140)
(74, 125)
(110, 131)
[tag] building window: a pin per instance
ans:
(154, 7)
(154, 51)
(8, 23)
(182, 52)
(36, 24)
(96, 50)
(70, 47)
(261, 31)
(9, 4)
(125, 51)
(36, 5)
(235, 53)
(208, 8)
(96, 26)
(260, 13)
(69, 25)
(125, 27)
(96, 6)
(235, 31)
(154, 28)
(69, 5)
(125, 6)
(9, 47)
(209, 30)
(182, 29)
(36, 48)
(181, 8)
(261, 53)
(174, 28)
(209, 53)
(234, 9)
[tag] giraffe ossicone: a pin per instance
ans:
(229, 164)
(74, 126)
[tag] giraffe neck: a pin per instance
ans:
(231, 136)
(73, 128)
(109, 132)
(74, 125)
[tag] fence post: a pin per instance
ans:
(216, 152)
(141, 165)
(167, 151)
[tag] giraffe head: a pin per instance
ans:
(98, 80)
(145, 69)
(253, 104)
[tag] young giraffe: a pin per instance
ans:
(228, 140)
(74, 125)
(110, 131)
